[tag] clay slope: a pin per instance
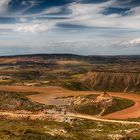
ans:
(111, 81)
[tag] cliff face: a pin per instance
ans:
(111, 81)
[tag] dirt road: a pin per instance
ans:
(49, 94)
(88, 117)
(43, 116)
(30, 116)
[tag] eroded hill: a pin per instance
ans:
(97, 104)
(113, 81)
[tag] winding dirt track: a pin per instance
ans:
(49, 94)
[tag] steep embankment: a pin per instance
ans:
(111, 81)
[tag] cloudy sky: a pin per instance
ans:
(87, 27)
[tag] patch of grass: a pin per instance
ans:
(77, 75)
(119, 104)
(25, 130)
(18, 101)
(134, 119)
(88, 109)
(74, 86)
(25, 74)
(6, 82)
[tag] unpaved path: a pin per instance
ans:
(49, 94)
(30, 116)
(88, 117)
(40, 115)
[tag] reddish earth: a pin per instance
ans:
(49, 94)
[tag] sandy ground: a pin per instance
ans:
(49, 94)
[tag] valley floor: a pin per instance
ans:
(48, 95)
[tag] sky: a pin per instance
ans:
(85, 27)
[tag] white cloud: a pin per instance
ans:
(131, 43)
(33, 27)
(3, 5)
(52, 10)
(134, 11)
(135, 41)
(92, 15)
